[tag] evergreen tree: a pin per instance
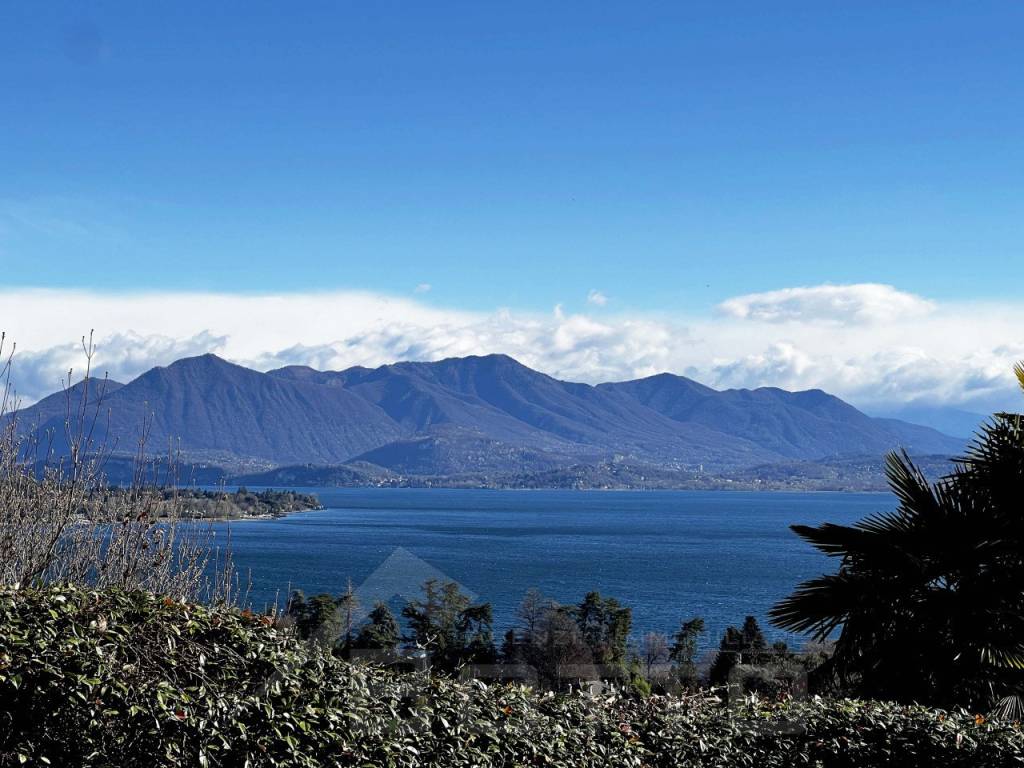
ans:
(348, 606)
(317, 619)
(447, 625)
(476, 634)
(754, 650)
(728, 656)
(434, 620)
(547, 638)
(604, 626)
(738, 646)
(381, 632)
(511, 648)
(684, 650)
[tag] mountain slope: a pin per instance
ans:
(55, 408)
(498, 397)
(421, 405)
(218, 408)
(796, 425)
(478, 414)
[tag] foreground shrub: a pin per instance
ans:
(60, 521)
(104, 678)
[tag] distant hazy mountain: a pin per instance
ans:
(795, 425)
(480, 415)
(951, 421)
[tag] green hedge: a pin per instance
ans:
(131, 679)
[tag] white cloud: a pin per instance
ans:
(120, 357)
(781, 364)
(955, 353)
(596, 298)
(422, 288)
(860, 303)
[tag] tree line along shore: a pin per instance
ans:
(199, 503)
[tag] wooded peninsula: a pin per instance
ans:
(203, 504)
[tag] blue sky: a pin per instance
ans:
(666, 154)
(518, 156)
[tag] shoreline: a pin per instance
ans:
(261, 517)
(837, 491)
(215, 504)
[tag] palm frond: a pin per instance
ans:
(1001, 657)
(832, 539)
(929, 598)
(909, 484)
(819, 606)
(1009, 708)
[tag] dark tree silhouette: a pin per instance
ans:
(450, 627)
(381, 632)
(929, 599)
(684, 649)
(604, 625)
(317, 619)
(738, 646)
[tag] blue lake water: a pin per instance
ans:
(669, 555)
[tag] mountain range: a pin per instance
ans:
(487, 415)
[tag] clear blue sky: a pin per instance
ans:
(670, 155)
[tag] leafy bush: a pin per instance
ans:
(104, 678)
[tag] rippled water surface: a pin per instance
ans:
(667, 554)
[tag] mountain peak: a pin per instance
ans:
(495, 359)
(666, 378)
(207, 358)
(207, 364)
(470, 367)
(488, 410)
(55, 405)
(664, 391)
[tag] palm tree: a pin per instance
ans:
(928, 600)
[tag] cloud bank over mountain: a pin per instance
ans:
(871, 344)
(841, 304)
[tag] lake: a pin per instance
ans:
(669, 555)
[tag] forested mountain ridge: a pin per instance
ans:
(472, 414)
